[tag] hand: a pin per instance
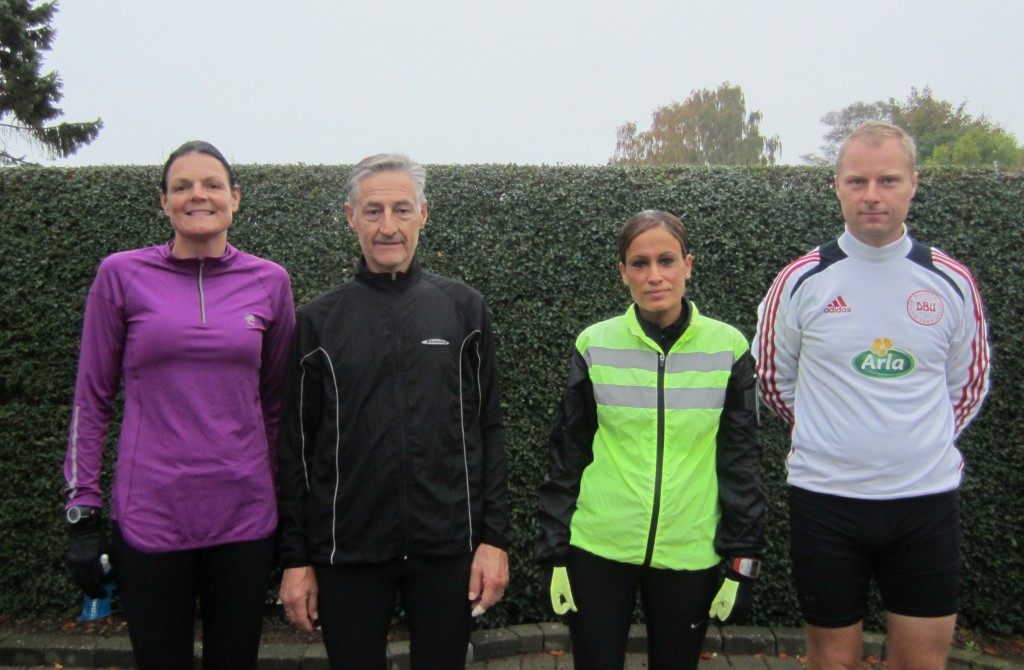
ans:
(561, 591)
(89, 556)
(298, 595)
(488, 577)
(733, 600)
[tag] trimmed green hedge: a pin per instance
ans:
(539, 243)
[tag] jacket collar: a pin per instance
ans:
(387, 280)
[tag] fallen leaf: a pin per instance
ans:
(557, 652)
(707, 655)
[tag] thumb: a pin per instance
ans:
(475, 583)
(724, 600)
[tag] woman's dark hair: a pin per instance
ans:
(197, 147)
(639, 224)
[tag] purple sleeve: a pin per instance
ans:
(276, 344)
(99, 374)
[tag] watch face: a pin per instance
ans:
(74, 514)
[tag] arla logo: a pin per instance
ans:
(883, 361)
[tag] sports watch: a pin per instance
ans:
(747, 567)
(77, 514)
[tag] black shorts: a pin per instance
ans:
(911, 546)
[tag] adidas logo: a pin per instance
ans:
(436, 342)
(838, 305)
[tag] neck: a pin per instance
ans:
(188, 248)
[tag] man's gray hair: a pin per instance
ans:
(386, 163)
(875, 132)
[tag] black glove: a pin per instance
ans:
(733, 600)
(89, 555)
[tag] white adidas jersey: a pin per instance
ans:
(877, 358)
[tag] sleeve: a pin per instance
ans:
(967, 366)
(497, 529)
(276, 343)
(99, 376)
(570, 451)
(776, 347)
(299, 418)
(740, 532)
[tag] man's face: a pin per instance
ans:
(387, 220)
(875, 183)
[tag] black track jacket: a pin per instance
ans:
(391, 440)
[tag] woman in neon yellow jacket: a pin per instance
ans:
(654, 476)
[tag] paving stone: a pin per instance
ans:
(507, 663)
(716, 662)
(989, 663)
(25, 649)
(756, 662)
(874, 645)
(747, 640)
(114, 652)
(637, 640)
(531, 637)
(280, 656)
(790, 641)
(540, 661)
(71, 650)
(494, 643)
(713, 640)
(790, 662)
(636, 661)
(398, 655)
(314, 657)
(556, 636)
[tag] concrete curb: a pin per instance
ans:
(734, 646)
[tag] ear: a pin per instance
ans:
(163, 203)
(236, 198)
(688, 264)
(913, 185)
(348, 215)
(622, 273)
(423, 214)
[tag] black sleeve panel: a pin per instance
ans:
(740, 531)
(570, 451)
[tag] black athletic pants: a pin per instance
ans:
(356, 603)
(675, 605)
(159, 594)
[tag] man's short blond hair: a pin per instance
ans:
(876, 132)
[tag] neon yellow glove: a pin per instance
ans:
(561, 591)
(733, 600)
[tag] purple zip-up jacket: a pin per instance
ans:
(201, 346)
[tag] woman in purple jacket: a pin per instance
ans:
(197, 332)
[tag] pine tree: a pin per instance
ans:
(28, 98)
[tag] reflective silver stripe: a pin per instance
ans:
(646, 397)
(699, 362)
(621, 358)
(686, 361)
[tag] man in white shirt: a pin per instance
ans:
(873, 349)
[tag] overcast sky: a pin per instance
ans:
(521, 81)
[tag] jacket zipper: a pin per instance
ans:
(403, 428)
(202, 297)
(659, 463)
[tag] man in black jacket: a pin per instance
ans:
(392, 466)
